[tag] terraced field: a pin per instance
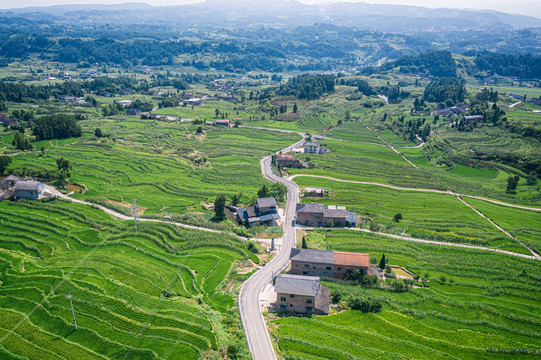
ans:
(135, 295)
(476, 306)
(166, 167)
(431, 216)
(375, 163)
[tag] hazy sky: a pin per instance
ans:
(527, 7)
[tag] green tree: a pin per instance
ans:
(217, 113)
(512, 183)
(263, 192)
(336, 297)
(331, 223)
(58, 126)
(4, 163)
(98, 133)
(382, 262)
(295, 108)
(304, 245)
(348, 115)
(199, 131)
(64, 167)
(532, 178)
(397, 217)
(20, 142)
(219, 207)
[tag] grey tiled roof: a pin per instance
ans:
(27, 185)
(310, 208)
(266, 202)
(335, 213)
(312, 255)
(297, 284)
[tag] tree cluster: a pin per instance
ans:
(445, 90)
(58, 126)
(309, 87)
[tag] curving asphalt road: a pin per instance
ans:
(253, 322)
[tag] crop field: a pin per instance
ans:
(523, 224)
(135, 295)
(350, 160)
(476, 306)
(430, 216)
(165, 166)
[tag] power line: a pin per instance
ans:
(69, 296)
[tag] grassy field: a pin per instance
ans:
(142, 295)
(475, 306)
(367, 162)
(168, 168)
(430, 216)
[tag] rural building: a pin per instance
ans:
(124, 102)
(301, 294)
(314, 148)
(313, 191)
(264, 211)
(9, 181)
(318, 215)
(133, 111)
(515, 96)
(468, 119)
(286, 161)
(4, 120)
(28, 189)
(226, 123)
(335, 264)
(289, 161)
(193, 102)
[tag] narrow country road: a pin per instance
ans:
(253, 322)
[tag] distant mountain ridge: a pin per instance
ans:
(286, 13)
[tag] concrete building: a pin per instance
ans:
(334, 264)
(302, 294)
(317, 215)
(314, 148)
(28, 189)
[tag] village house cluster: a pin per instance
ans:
(17, 188)
(264, 211)
(300, 290)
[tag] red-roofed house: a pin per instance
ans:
(310, 262)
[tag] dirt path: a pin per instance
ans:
(126, 217)
(536, 255)
(393, 148)
(418, 189)
(407, 238)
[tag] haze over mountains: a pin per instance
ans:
(282, 13)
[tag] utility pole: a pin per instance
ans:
(69, 296)
(272, 244)
(134, 209)
(201, 316)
